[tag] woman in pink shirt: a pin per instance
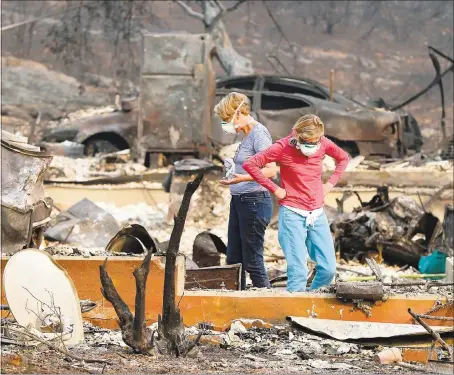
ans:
(303, 225)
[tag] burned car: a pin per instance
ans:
(278, 102)
(109, 131)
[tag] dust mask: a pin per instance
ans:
(229, 127)
(308, 149)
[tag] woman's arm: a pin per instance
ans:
(341, 158)
(255, 164)
(270, 171)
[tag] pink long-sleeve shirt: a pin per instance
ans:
(301, 176)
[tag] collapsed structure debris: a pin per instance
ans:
(399, 230)
(104, 168)
(25, 208)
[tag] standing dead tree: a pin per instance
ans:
(211, 16)
(170, 326)
(135, 334)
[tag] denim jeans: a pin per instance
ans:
(297, 239)
(250, 214)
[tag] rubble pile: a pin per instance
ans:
(274, 348)
(80, 114)
(280, 349)
(399, 227)
(118, 164)
(438, 161)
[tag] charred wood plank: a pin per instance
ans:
(370, 291)
(375, 268)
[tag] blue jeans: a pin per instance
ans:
(297, 239)
(250, 214)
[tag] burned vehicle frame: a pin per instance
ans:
(377, 128)
(104, 132)
(279, 101)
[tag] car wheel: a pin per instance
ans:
(350, 149)
(95, 146)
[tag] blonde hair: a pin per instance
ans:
(308, 127)
(227, 106)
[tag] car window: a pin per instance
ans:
(243, 83)
(272, 102)
(219, 96)
(284, 87)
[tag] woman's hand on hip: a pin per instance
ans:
(237, 178)
(280, 193)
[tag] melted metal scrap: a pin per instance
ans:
(400, 227)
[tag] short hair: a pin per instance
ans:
(227, 106)
(307, 127)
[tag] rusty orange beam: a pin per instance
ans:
(220, 308)
(420, 352)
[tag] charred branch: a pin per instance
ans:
(211, 16)
(434, 334)
(189, 11)
(170, 326)
(133, 328)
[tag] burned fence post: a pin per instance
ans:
(170, 325)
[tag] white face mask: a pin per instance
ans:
(229, 127)
(308, 150)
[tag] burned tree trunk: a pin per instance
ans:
(231, 61)
(133, 328)
(170, 325)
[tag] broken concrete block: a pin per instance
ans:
(41, 295)
(84, 224)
